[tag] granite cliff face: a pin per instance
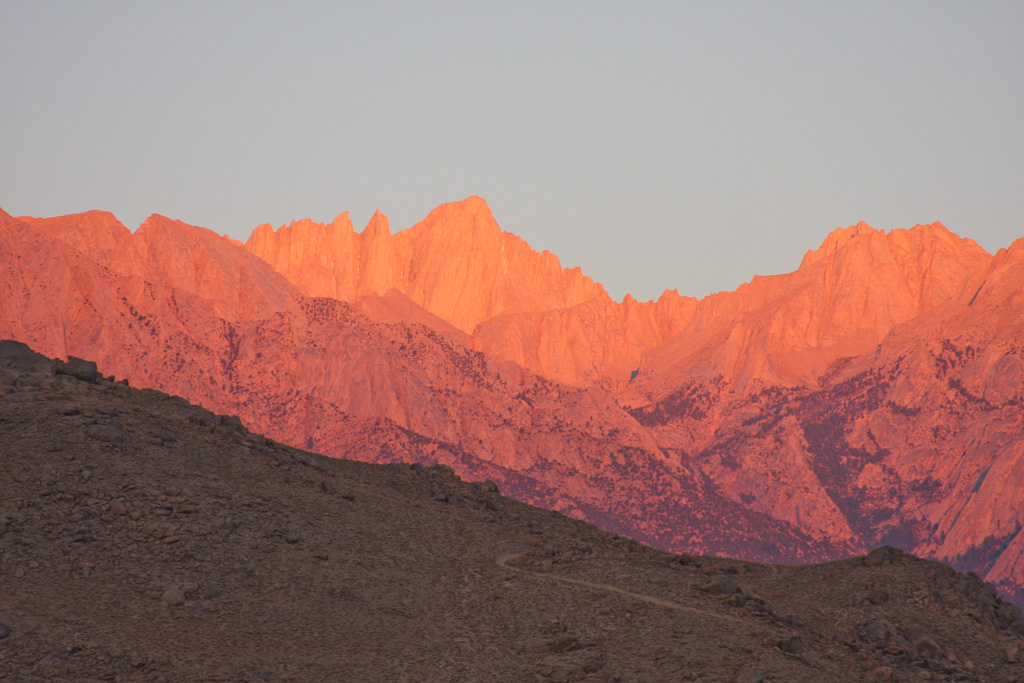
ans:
(873, 395)
(456, 263)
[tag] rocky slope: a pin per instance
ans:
(147, 539)
(891, 446)
(873, 395)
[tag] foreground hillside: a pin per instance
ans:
(144, 538)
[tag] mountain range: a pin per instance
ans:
(873, 396)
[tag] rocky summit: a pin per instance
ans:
(144, 538)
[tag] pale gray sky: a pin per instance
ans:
(658, 145)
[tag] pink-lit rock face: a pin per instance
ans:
(456, 263)
(520, 305)
(873, 395)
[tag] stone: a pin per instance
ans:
(1009, 614)
(565, 644)
(232, 422)
(878, 596)
(108, 433)
(878, 633)
(721, 584)
(118, 508)
(879, 674)
(794, 645)
(159, 436)
(5, 630)
(78, 368)
(68, 409)
(173, 596)
(927, 647)
(1012, 654)
(882, 555)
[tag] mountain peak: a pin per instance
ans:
(343, 222)
(93, 232)
(379, 226)
(469, 214)
(159, 222)
(836, 240)
(456, 263)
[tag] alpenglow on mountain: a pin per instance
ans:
(873, 396)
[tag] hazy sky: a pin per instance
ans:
(658, 145)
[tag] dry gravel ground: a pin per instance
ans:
(145, 539)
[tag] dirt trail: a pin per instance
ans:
(503, 560)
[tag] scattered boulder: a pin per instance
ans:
(173, 596)
(1012, 653)
(444, 470)
(1009, 614)
(488, 486)
(109, 433)
(879, 674)
(878, 633)
(327, 487)
(68, 409)
(5, 630)
(232, 422)
(877, 596)
(721, 584)
(159, 436)
(78, 368)
(885, 554)
(685, 559)
(794, 645)
(927, 647)
(565, 644)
